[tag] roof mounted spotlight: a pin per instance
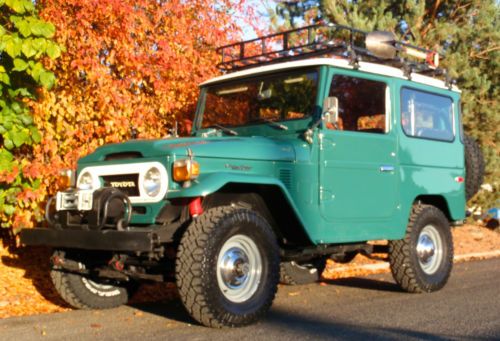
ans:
(383, 44)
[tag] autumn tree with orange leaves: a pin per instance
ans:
(124, 63)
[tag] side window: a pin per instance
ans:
(426, 115)
(361, 104)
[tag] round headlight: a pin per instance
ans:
(85, 181)
(152, 182)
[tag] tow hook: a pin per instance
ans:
(117, 263)
(59, 262)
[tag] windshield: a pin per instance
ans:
(278, 97)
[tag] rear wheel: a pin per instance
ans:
(227, 267)
(422, 261)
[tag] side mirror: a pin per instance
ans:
(330, 115)
(331, 108)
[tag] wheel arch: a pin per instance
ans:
(270, 201)
(438, 201)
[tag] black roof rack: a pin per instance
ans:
(329, 40)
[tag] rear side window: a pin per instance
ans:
(426, 115)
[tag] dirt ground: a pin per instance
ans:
(25, 287)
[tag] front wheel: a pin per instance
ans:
(227, 267)
(422, 261)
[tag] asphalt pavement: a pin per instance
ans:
(367, 308)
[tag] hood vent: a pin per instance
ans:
(123, 156)
(285, 176)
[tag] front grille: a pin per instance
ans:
(127, 183)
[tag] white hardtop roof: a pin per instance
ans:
(373, 68)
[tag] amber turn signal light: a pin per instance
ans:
(185, 170)
(66, 179)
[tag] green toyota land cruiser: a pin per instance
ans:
(312, 143)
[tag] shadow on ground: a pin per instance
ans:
(314, 327)
(35, 262)
(283, 322)
(173, 308)
(365, 283)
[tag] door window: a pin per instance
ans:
(362, 104)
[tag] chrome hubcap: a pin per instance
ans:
(239, 268)
(425, 249)
(429, 249)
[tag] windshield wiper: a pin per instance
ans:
(224, 129)
(271, 122)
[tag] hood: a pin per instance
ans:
(242, 148)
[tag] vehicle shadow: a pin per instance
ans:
(172, 310)
(364, 283)
(35, 261)
(287, 322)
(310, 325)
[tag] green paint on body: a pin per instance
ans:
(347, 186)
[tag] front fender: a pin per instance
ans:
(209, 183)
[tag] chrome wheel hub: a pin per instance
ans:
(234, 267)
(239, 268)
(429, 249)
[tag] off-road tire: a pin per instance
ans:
(474, 167)
(407, 268)
(198, 272)
(83, 293)
(292, 273)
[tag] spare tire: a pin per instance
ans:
(474, 167)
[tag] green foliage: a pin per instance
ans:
(24, 41)
(292, 14)
(466, 33)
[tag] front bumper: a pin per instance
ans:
(142, 240)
